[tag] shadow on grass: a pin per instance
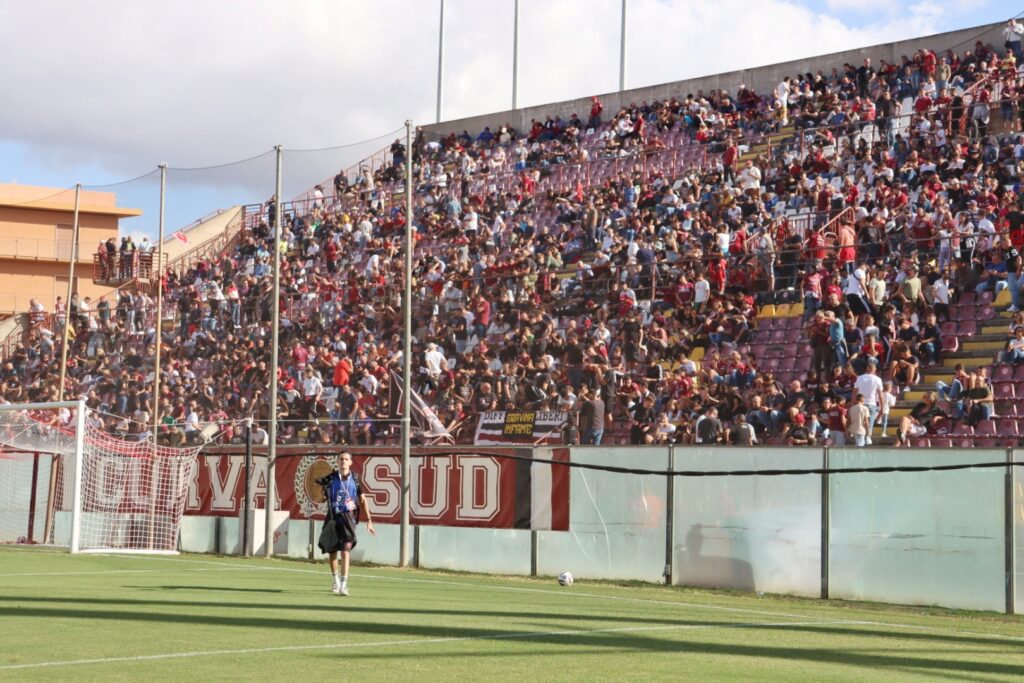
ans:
(350, 620)
(325, 602)
(213, 589)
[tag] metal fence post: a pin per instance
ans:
(534, 545)
(825, 523)
(670, 485)
(1009, 541)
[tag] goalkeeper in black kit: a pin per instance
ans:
(345, 502)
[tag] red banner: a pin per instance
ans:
(456, 488)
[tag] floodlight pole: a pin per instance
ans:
(66, 336)
(268, 542)
(440, 65)
(159, 340)
(622, 50)
(515, 58)
(71, 287)
(403, 544)
(158, 271)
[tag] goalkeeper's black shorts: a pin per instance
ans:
(345, 527)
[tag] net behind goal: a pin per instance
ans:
(65, 482)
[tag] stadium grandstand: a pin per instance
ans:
(730, 266)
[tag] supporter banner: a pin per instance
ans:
(523, 427)
(448, 488)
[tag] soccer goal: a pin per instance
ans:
(65, 482)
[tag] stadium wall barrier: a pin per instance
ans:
(762, 79)
(951, 538)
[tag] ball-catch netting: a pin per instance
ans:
(66, 482)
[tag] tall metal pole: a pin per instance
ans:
(440, 67)
(71, 287)
(268, 544)
(158, 271)
(66, 337)
(247, 503)
(159, 339)
(622, 50)
(403, 544)
(515, 59)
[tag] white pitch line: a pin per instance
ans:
(577, 594)
(118, 571)
(412, 641)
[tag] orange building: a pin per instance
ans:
(35, 242)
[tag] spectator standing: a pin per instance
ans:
(860, 422)
(708, 429)
(1013, 32)
(869, 386)
(591, 418)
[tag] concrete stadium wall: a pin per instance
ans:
(953, 538)
(761, 78)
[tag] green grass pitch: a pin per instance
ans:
(200, 618)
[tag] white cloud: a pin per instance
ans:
(126, 85)
(862, 6)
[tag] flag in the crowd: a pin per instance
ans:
(423, 416)
(181, 237)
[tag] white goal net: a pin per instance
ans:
(66, 482)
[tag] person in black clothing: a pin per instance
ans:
(930, 345)
(742, 434)
(885, 109)
(798, 434)
(864, 74)
(591, 418)
(922, 417)
(642, 431)
(709, 429)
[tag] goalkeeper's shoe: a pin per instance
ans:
(343, 590)
(336, 588)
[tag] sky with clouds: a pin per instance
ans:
(104, 90)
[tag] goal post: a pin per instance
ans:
(78, 459)
(105, 494)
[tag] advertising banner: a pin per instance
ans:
(457, 488)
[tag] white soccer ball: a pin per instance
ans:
(565, 579)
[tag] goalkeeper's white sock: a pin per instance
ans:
(344, 581)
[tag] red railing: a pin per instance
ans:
(16, 337)
(122, 267)
(216, 246)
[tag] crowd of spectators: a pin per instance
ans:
(629, 302)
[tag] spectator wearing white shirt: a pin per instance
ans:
(701, 291)
(869, 385)
(940, 297)
(750, 179)
(312, 391)
(1012, 32)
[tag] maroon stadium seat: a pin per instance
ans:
(986, 427)
(1002, 373)
(1007, 426)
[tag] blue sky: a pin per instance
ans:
(124, 86)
